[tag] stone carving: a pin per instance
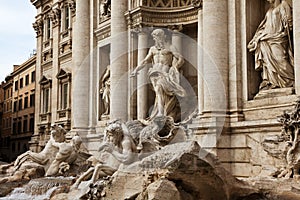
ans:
(167, 3)
(38, 26)
(290, 134)
(118, 148)
(272, 44)
(197, 3)
(54, 159)
(72, 6)
(164, 76)
(105, 90)
(105, 6)
(55, 16)
(43, 157)
(155, 134)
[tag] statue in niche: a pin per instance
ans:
(272, 45)
(105, 6)
(105, 90)
(164, 76)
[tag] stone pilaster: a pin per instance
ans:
(296, 28)
(119, 61)
(38, 27)
(200, 62)
(81, 66)
(235, 95)
(142, 89)
(55, 19)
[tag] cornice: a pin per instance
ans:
(103, 31)
(149, 16)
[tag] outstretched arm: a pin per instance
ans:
(146, 60)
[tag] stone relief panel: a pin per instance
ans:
(272, 47)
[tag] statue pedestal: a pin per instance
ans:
(274, 93)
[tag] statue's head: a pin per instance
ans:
(114, 131)
(58, 133)
(158, 35)
(76, 141)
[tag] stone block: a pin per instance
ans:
(234, 155)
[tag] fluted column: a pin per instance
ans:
(119, 61)
(142, 89)
(81, 66)
(215, 58)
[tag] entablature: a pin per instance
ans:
(160, 16)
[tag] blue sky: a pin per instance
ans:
(17, 37)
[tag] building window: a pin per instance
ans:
(67, 18)
(64, 96)
(25, 102)
(25, 124)
(32, 99)
(19, 126)
(32, 76)
(15, 106)
(20, 104)
(4, 107)
(47, 29)
(16, 85)
(31, 124)
(21, 82)
(13, 147)
(27, 79)
(46, 98)
(14, 127)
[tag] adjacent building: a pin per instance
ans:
(6, 129)
(19, 101)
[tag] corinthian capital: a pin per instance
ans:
(38, 26)
(55, 16)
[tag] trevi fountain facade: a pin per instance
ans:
(163, 99)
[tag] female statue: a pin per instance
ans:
(273, 47)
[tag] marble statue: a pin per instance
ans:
(105, 90)
(105, 7)
(117, 148)
(67, 154)
(164, 76)
(44, 157)
(272, 45)
(55, 159)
